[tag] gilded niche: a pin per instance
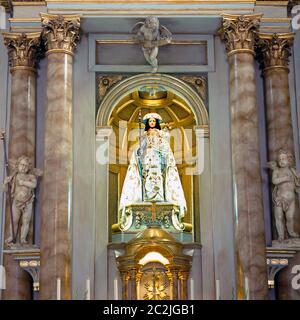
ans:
(60, 33)
(240, 32)
(274, 49)
(24, 49)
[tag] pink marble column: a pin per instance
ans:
(274, 59)
(238, 33)
(23, 52)
(60, 34)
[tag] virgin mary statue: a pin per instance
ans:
(152, 175)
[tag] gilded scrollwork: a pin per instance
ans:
(199, 83)
(24, 49)
(240, 32)
(274, 49)
(106, 82)
(60, 33)
(164, 218)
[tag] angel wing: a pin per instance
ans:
(272, 165)
(136, 28)
(296, 177)
(36, 172)
(12, 165)
(164, 32)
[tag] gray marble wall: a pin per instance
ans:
(221, 175)
(84, 228)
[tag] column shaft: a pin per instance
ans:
(59, 34)
(57, 181)
(279, 122)
(250, 238)
(273, 55)
(239, 34)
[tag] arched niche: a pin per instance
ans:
(177, 86)
(114, 175)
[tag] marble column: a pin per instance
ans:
(174, 284)
(239, 33)
(24, 53)
(60, 34)
(274, 52)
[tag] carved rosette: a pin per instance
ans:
(274, 50)
(60, 33)
(24, 50)
(240, 32)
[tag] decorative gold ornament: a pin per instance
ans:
(274, 50)
(60, 33)
(106, 82)
(199, 83)
(157, 288)
(240, 32)
(24, 49)
(163, 284)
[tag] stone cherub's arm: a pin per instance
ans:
(30, 183)
(138, 30)
(278, 180)
(7, 180)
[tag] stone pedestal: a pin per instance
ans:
(138, 216)
(23, 262)
(239, 34)
(18, 283)
(60, 34)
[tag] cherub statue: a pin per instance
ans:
(286, 181)
(152, 35)
(22, 183)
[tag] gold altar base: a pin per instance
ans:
(154, 267)
(137, 217)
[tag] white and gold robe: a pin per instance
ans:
(152, 175)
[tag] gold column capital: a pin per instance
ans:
(60, 32)
(274, 49)
(24, 50)
(239, 32)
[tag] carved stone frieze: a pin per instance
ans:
(199, 83)
(105, 82)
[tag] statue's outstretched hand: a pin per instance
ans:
(7, 180)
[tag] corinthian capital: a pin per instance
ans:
(274, 49)
(60, 33)
(239, 32)
(24, 49)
